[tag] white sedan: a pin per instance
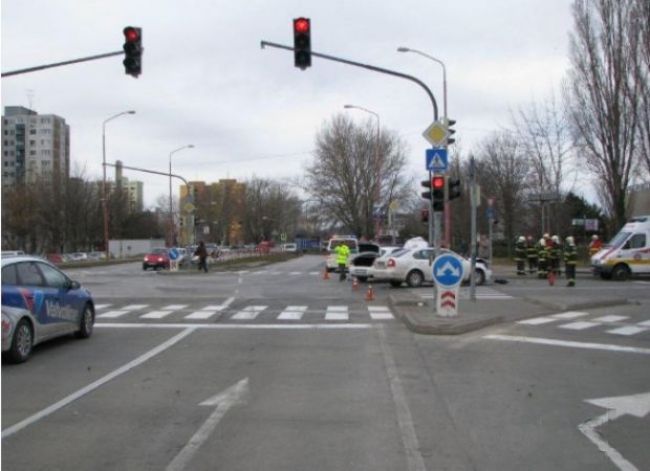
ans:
(413, 267)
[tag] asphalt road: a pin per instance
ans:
(275, 368)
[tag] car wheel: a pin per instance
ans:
(606, 276)
(395, 283)
(479, 276)
(86, 323)
(22, 342)
(144, 267)
(621, 272)
(415, 278)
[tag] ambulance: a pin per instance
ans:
(626, 254)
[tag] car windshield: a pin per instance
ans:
(159, 250)
(619, 239)
(399, 252)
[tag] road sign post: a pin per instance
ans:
(447, 276)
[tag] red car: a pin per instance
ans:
(157, 258)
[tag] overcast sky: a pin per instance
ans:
(250, 112)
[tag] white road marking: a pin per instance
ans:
(96, 384)
(113, 314)
(236, 394)
(295, 273)
(610, 318)
(148, 325)
(580, 325)
(537, 321)
(644, 324)
(570, 315)
(292, 313)
(134, 307)
(314, 273)
(337, 313)
(414, 459)
(156, 314)
(209, 311)
(174, 307)
(102, 306)
(627, 330)
(380, 313)
(570, 344)
(249, 313)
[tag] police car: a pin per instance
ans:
(40, 302)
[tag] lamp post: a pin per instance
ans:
(444, 97)
(104, 193)
(172, 231)
(377, 163)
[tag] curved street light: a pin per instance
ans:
(172, 231)
(104, 195)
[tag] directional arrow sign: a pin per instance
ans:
(637, 405)
(447, 275)
(235, 394)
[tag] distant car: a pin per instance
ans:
(359, 264)
(40, 302)
(411, 266)
(12, 253)
(158, 258)
(289, 247)
(78, 257)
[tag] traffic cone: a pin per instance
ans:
(326, 274)
(355, 283)
(551, 278)
(370, 294)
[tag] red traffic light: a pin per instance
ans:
(438, 183)
(301, 25)
(131, 34)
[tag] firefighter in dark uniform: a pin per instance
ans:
(520, 255)
(570, 260)
(542, 258)
(532, 255)
(555, 255)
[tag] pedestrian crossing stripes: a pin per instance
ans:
(614, 324)
(247, 313)
(482, 292)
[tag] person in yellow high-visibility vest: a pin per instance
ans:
(342, 254)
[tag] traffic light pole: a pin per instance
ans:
(60, 64)
(434, 233)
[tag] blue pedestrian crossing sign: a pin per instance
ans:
(447, 270)
(436, 160)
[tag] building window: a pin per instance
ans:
(32, 143)
(32, 131)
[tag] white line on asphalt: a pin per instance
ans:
(404, 418)
(610, 318)
(579, 325)
(644, 323)
(537, 321)
(209, 311)
(380, 313)
(134, 325)
(292, 313)
(112, 314)
(570, 315)
(337, 313)
(249, 313)
(174, 307)
(565, 343)
(96, 384)
(155, 314)
(102, 306)
(628, 330)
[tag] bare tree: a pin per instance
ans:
(639, 39)
(602, 110)
(354, 171)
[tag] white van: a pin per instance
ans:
(628, 253)
(350, 241)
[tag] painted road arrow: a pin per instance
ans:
(637, 405)
(234, 395)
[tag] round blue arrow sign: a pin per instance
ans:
(447, 270)
(173, 254)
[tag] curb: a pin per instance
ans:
(579, 306)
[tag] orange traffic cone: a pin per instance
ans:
(370, 294)
(326, 274)
(355, 283)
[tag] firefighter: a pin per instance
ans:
(532, 255)
(595, 245)
(542, 258)
(520, 255)
(570, 259)
(554, 255)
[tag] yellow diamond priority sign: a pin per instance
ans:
(436, 134)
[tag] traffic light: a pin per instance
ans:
(302, 43)
(426, 194)
(453, 184)
(450, 132)
(132, 51)
(424, 215)
(438, 190)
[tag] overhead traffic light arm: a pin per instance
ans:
(60, 64)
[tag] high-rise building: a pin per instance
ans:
(33, 146)
(133, 188)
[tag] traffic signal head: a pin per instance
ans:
(450, 131)
(454, 188)
(424, 215)
(132, 51)
(302, 42)
(426, 194)
(438, 191)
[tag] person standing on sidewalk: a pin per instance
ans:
(202, 253)
(570, 259)
(342, 253)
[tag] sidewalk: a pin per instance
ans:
(419, 317)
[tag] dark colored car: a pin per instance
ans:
(156, 259)
(40, 302)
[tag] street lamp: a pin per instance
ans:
(444, 97)
(172, 231)
(104, 195)
(377, 163)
